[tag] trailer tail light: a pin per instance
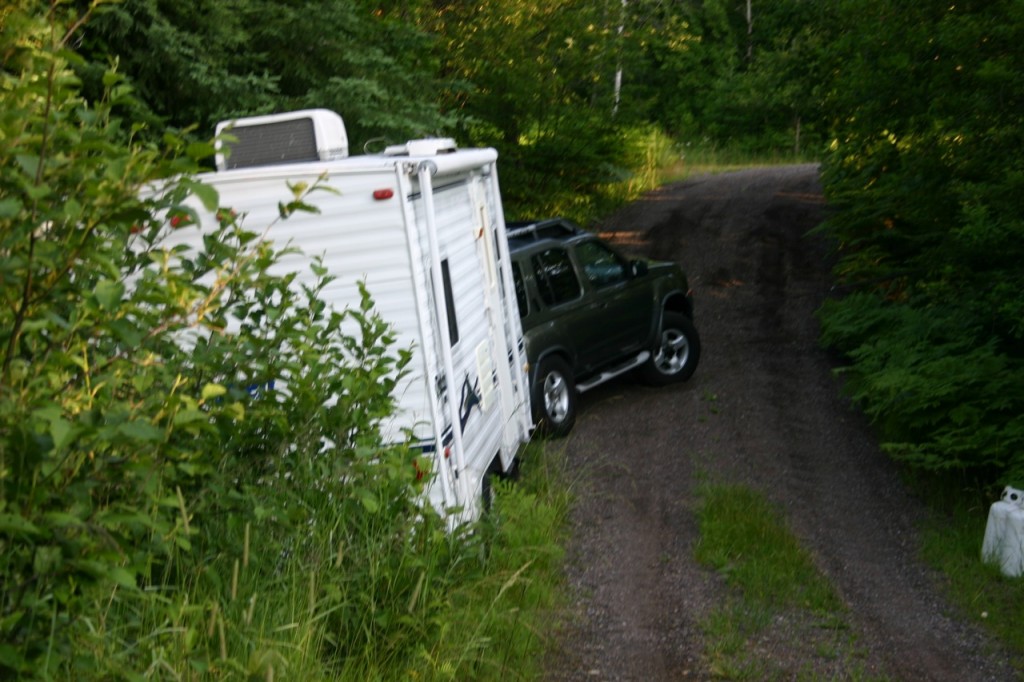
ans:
(383, 194)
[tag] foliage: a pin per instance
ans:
(927, 106)
(713, 78)
(936, 383)
(556, 87)
(197, 63)
(192, 479)
(79, 430)
(532, 79)
(132, 427)
(538, 81)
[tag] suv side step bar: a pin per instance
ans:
(613, 372)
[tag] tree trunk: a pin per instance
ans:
(618, 68)
(750, 32)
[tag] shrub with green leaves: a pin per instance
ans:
(925, 179)
(944, 394)
(140, 442)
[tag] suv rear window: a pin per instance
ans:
(556, 279)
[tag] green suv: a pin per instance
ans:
(589, 315)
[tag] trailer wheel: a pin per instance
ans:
(554, 398)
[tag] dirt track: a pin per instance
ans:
(763, 410)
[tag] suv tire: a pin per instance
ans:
(554, 398)
(676, 352)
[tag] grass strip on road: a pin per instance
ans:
(782, 619)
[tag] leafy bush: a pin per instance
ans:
(944, 395)
(140, 444)
(926, 184)
(192, 479)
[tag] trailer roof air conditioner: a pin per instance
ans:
(293, 137)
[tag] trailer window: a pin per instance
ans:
(449, 303)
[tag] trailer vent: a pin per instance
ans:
(295, 137)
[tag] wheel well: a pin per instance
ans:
(557, 353)
(679, 303)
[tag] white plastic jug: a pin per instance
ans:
(1004, 533)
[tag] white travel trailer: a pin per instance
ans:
(422, 225)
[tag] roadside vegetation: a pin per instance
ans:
(924, 187)
(951, 542)
(177, 502)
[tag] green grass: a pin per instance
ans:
(653, 158)
(344, 595)
(699, 159)
(951, 542)
(770, 579)
(744, 539)
(508, 608)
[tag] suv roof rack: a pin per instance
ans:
(542, 229)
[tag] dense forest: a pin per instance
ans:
(110, 456)
(924, 172)
(569, 91)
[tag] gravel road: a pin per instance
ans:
(763, 410)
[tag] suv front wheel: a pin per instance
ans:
(676, 352)
(554, 398)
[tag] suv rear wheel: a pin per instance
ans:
(677, 352)
(554, 398)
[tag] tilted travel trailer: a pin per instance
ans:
(422, 225)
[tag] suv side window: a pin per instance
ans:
(602, 267)
(556, 278)
(517, 279)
